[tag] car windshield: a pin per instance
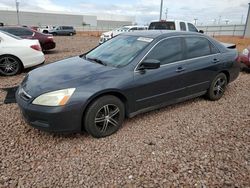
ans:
(119, 51)
(10, 35)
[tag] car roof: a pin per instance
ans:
(160, 33)
(131, 26)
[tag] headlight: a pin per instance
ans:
(55, 98)
(245, 52)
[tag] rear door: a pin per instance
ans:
(202, 61)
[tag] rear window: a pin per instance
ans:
(198, 47)
(67, 27)
(192, 28)
(18, 31)
(162, 26)
(10, 35)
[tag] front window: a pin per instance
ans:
(119, 51)
(167, 51)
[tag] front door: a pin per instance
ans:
(162, 85)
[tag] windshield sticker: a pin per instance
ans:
(144, 39)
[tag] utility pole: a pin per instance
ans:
(17, 11)
(166, 13)
(219, 20)
(161, 9)
(246, 30)
(195, 21)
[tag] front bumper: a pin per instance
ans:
(66, 119)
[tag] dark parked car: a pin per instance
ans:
(129, 74)
(63, 30)
(46, 40)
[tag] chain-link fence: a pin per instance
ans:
(223, 30)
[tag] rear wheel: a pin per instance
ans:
(217, 87)
(10, 65)
(104, 116)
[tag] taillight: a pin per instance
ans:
(36, 47)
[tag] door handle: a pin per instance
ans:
(216, 61)
(180, 69)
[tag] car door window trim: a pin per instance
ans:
(181, 36)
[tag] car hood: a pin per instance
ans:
(63, 74)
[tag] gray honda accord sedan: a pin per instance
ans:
(129, 74)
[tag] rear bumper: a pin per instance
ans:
(49, 46)
(245, 60)
(33, 60)
(66, 119)
(234, 71)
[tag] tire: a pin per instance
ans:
(104, 116)
(70, 34)
(54, 34)
(10, 65)
(217, 87)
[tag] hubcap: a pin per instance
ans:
(107, 117)
(8, 65)
(219, 87)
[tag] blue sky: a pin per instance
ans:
(144, 11)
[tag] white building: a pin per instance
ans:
(9, 17)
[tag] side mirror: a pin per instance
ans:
(201, 31)
(150, 64)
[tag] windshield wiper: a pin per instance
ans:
(97, 61)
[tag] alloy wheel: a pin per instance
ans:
(9, 66)
(219, 86)
(107, 117)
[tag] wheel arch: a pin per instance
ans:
(115, 93)
(227, 75)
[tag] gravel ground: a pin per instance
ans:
(198, 143)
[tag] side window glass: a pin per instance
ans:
(198, 47)
(192, 28)
(183, 26)
(167, 51)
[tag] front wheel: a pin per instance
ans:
(217, 87)
(104, 116)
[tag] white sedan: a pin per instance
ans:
(17, 54)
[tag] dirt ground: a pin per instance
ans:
(197, 143)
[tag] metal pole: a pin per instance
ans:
(161, 9)
(17, 12)
(248, 14)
